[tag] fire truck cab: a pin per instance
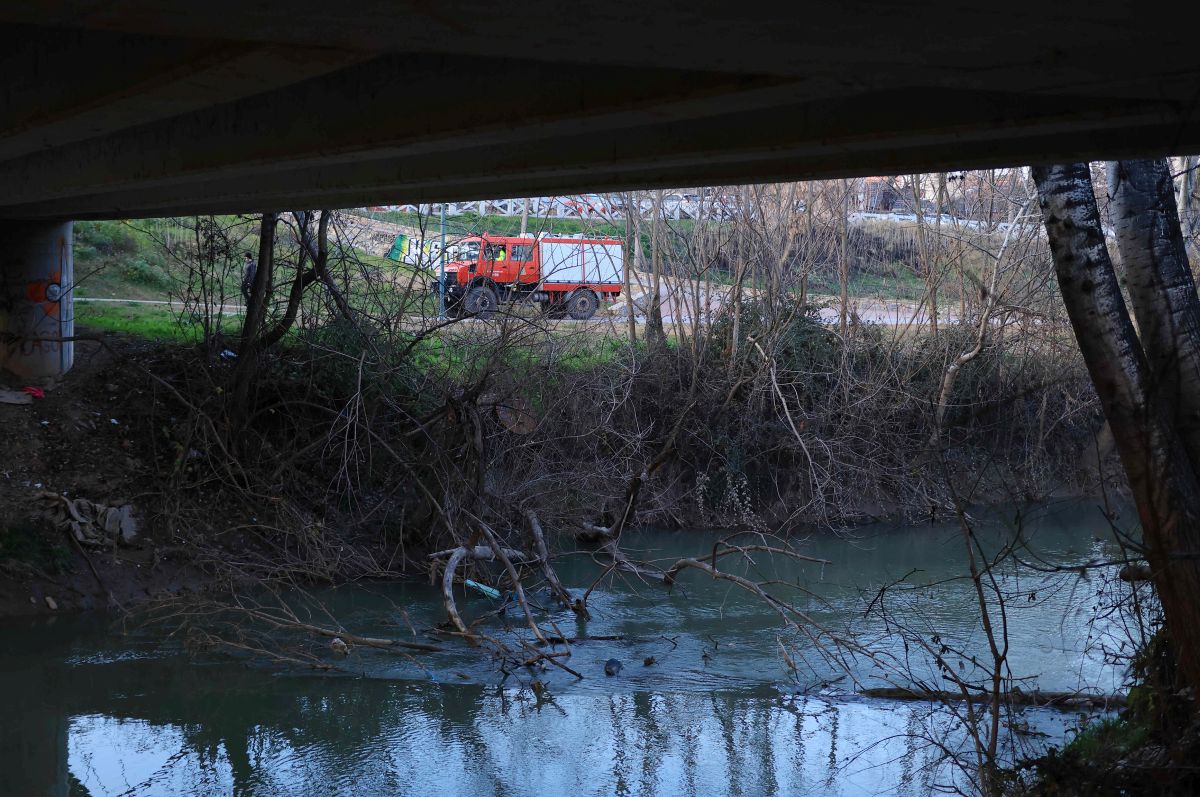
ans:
(565, 275)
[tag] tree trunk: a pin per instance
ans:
(1161, 289)
(632, 245)
(927, 261)
(256, 312)
(937, 264)
(844, 263)
(303, 278)
(1189, 220)
(654, 323)
(1161, 476)
(735, 295)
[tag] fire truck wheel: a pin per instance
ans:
(582, 304)
(480, 302)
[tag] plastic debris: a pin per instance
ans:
(91, 523)
(491, 592)
(36, 392)
(15, 397)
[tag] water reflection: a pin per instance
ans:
(472, 741)
(92, 712)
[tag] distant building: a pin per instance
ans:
(878, 195)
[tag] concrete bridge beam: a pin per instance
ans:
(37, 277)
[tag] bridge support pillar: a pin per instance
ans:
(37, 277)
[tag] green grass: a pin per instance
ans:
(1107, 739)
(905, 285)
(154, 322)
(128, 259)
(383, 264)
(119, 259)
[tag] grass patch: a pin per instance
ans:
(863, 285)
(151, 321)
(116, 259)
(1106, 739)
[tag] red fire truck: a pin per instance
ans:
(564, 275)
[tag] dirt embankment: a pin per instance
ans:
(81, 520)
(118, 484)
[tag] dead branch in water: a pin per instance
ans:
(448, 593)
(539, 546)
(1067, 701)
(514, 577)
(293, 623)
(483, 553)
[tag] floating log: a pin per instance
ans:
(1062, 700)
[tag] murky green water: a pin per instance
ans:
(92, 711)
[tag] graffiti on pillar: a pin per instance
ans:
(35, 307)
(47, 294)
(44, 299)
(28, 346)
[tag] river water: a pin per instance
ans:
(92, 708)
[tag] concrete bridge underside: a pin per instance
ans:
(133, 108)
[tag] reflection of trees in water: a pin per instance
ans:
(313, 735)
(621, 771)
(795, 712)
(335, 720)
(646, 707)
(241, 716)
(751, 732)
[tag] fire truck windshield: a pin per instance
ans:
(468, 250)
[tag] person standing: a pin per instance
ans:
(250, 269)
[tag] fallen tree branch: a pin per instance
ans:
(448, 593)
(483, 553)
(550, 657)
(329, 633)
(556, 588)
(1060, 700)
(514, 577)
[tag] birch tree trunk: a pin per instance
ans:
(632, 245)
(844, 261)
(1161, 288)
(1161, 476)
(654, 323)
(936, 273)
(739, 275)
(1188, 218)
(928, 262)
